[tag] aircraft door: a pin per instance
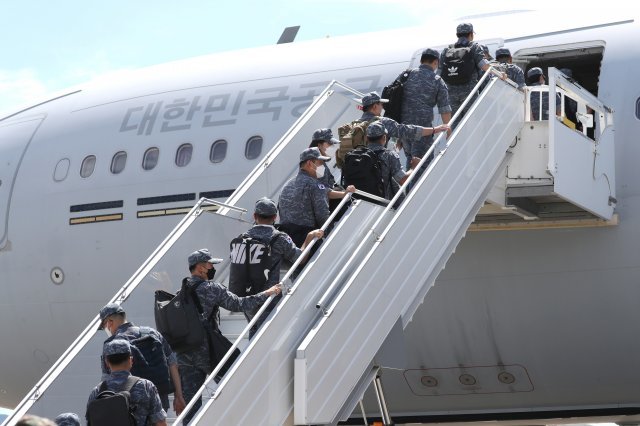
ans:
(15, 136)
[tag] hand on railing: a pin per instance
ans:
(350, 188)
(274, 290)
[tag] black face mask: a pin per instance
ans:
(211, 273)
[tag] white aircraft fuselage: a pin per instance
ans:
(558, 304)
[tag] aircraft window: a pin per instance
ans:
(118, 162)
(183, 155)
(253, 149)
(150, 158)
(218, 151)
(62, 170)
(88, 164)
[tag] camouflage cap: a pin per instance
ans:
(313, 154)
(567, 72)
(376, 130)
(324, 135)
(465, 28)
(117, 346)
(67, 419)
(266, 207)
(485, 49)
(431, 52)
(107, 311)
(202, 255)
(503, 51)
(534, 71)
(371, 98)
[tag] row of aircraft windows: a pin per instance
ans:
(217, 153)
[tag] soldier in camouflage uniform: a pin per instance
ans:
(303, 202)
(325, 142)
(282, 248)
(423, 90)
(144, 394)
(535, 77)
(67, 419)
(194, 365)
(113, 320)
(390, 168)
(514, 72)
(459, 92)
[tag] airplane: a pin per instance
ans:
(93, 179)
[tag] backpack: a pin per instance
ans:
(112, 408)
(351, 135)
(363, 170)
(250, 264)
(178, 318)
(395, 94)
(150, 361)
(458, 65)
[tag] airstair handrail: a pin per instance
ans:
(262, 309)
(87, 334)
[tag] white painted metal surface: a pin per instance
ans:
(406, 258)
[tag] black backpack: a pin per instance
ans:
(395, 94)
(458, 66)
(363, 170)
(251, 263)
(112, 408)
(178, 319)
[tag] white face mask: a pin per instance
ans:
(320, 171)
(331, 151)
(106, 330)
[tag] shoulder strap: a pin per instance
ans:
(131, 382)
(103, 386)
(405, 76)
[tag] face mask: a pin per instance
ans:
(331, 151)
(320, 171)
(211, 273)
(106, 330)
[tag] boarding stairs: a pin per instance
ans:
(312, 360)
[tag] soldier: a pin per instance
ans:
(143, 394)
(325, 142)
(535, 77)
(303, 202)
(423, 90)
(280, 248)
(67, 419)
(195, 365)
(458, 92)
(113, 320)
(514, 72)
(390, 168)
(372, 110)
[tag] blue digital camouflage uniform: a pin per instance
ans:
(303, 202)
(283, 248)
(459, 92)
(390, 168)
(535, 99)
(405, 132)
(423, 90)
(144, 396)
(194, 365)
(328, 180)
(131, 332)
(515, 74)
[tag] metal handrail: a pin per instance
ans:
(87, 334)
(258, 314)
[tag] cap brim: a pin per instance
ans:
(215, 260)
(100, 327)
(334, 141)
(384, 101)
(323, 158)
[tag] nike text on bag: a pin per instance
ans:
(352, 135)
(112, 408)
(363, 170)
(178, 320)
(250, 262)
(395, 94)
(458, 66)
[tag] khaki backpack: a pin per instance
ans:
(351, 136)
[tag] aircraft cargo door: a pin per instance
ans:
(15, 136)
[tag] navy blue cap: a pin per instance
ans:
(107, 311)
(503, 51)
(464, 28)
(431, 52)
(534, 71)
(202, 255)
(117, 346)
(266, 207)
(313, 154)
(371, 98)
(375, 130)
(67, 419)
(324, 135)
